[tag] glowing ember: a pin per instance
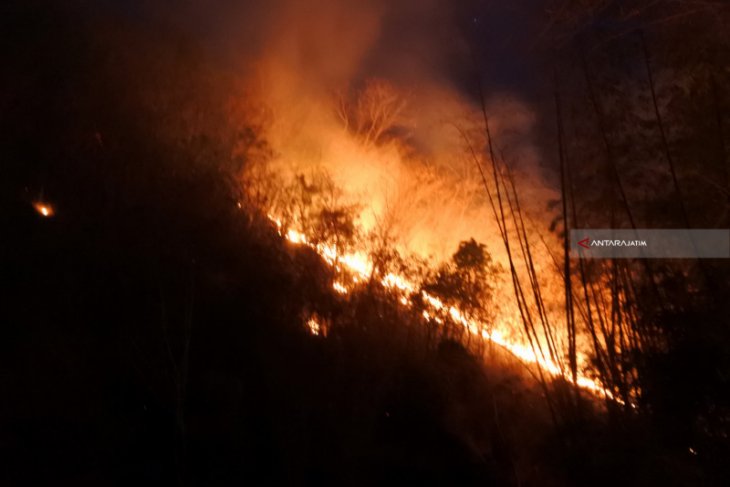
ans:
(295, 237)
(43, 209)
(314, 327)
(393, 281)
(339, 287)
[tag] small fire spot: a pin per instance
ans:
(44, 209)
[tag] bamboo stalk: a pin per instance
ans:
(567, 282)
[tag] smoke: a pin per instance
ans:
(381, 95)
(308, 63)
(314, 72)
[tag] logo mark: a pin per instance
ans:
(585, 243)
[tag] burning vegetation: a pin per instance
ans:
(43, 209)
(327, 243)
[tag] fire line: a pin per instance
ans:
(359, 265)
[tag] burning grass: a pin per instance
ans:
(354, 185)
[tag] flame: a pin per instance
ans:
(359, 265)
(314, 327)
(339, 287)
(402, 154)
(44, 209)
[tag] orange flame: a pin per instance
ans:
(44, 209)
(314, 327)
(359, 265)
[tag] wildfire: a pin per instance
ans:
(359, 265)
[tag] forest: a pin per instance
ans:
(328, 242)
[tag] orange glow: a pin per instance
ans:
(403, 160)
(314, 327)
(422, 204)
(359, 266)
(337, 286)
(44, 209)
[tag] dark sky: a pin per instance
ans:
(435, 34)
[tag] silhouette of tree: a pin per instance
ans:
(375, 110)
(465, 282)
